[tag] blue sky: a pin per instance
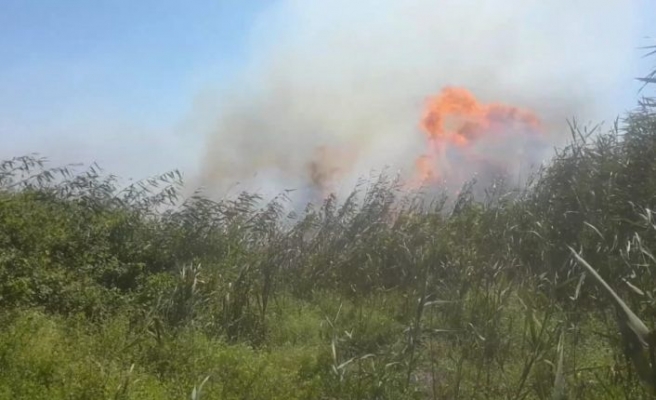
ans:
(66, 65)
(81, 80)
(123, 53)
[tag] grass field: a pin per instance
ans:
(110, 292)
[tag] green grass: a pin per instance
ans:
(48, 357)
(131, 292)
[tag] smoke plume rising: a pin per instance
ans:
(337, 88)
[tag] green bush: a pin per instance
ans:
(129, 291)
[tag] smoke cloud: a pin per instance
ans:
(335, 89)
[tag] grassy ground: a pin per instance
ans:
(110, 292)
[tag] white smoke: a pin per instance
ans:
(354, 74)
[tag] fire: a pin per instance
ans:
(328, 165)
(465, 137)
(455, 121)
(425, 169)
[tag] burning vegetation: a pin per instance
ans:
(463, 137)
(456, 121)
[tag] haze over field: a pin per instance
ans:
(313, 95)
(152, 290)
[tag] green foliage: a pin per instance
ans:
(129, 291)
(47, 357)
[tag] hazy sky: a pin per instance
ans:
(122, 82)
(113, 80)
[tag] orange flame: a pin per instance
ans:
(456, 119)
